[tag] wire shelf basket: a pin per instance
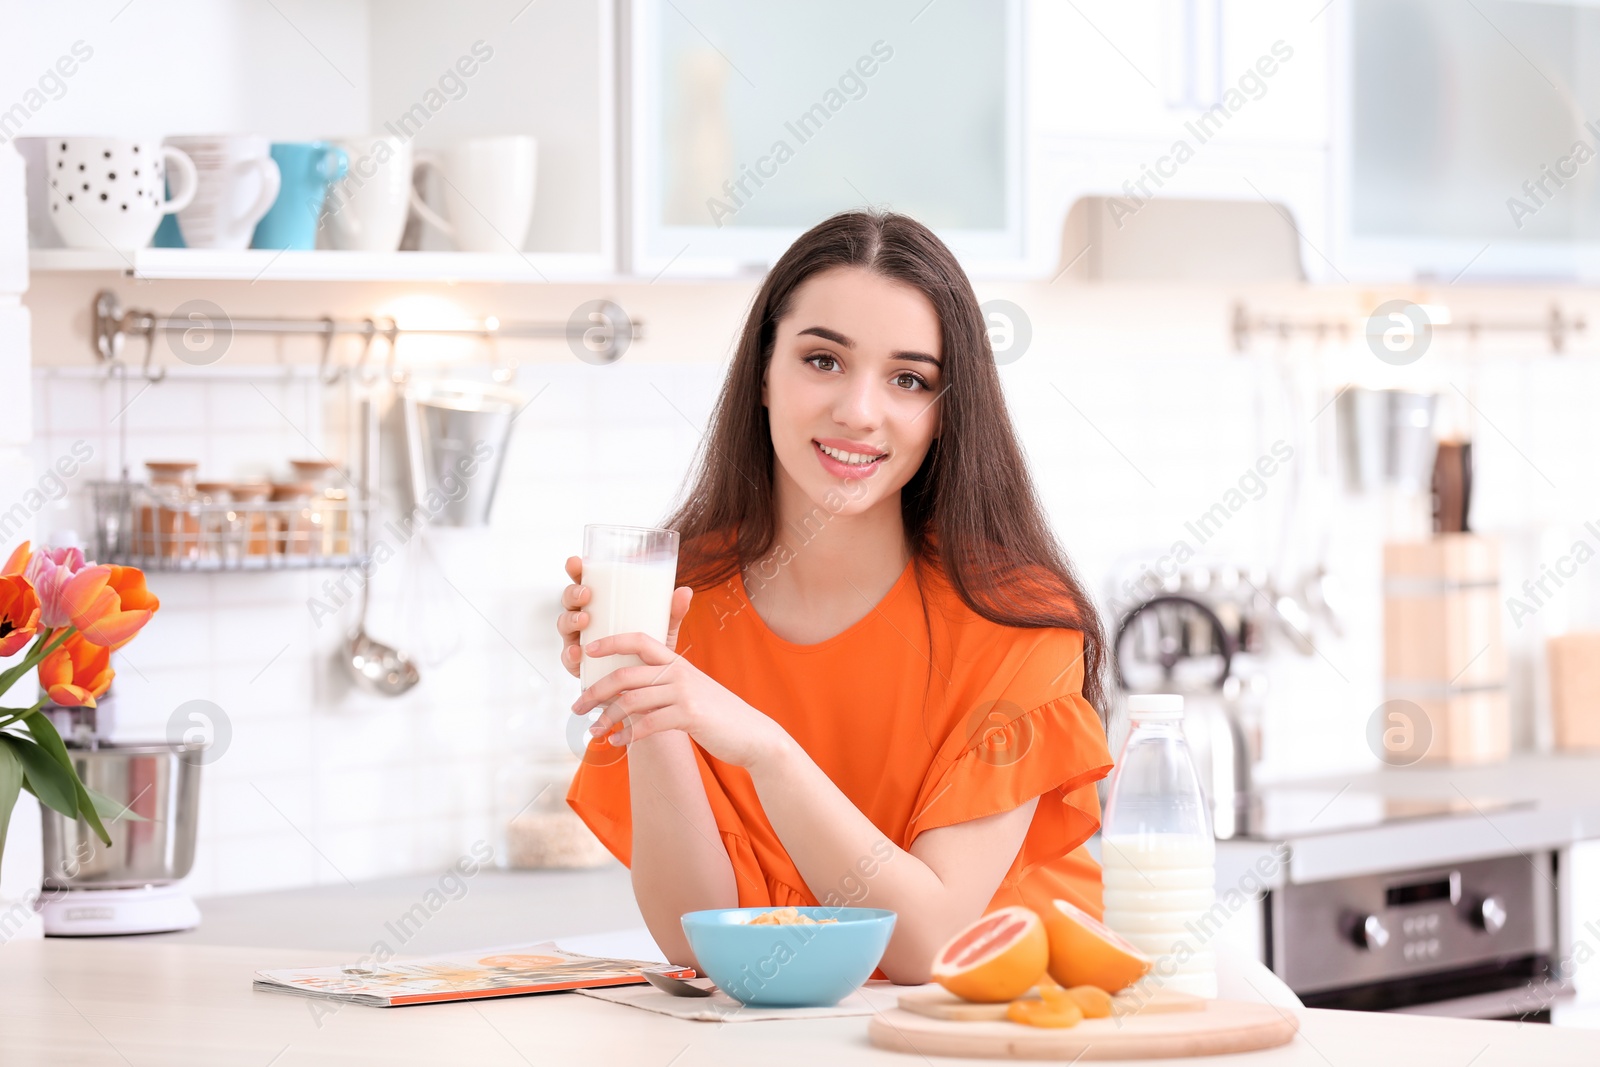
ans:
(157, 529)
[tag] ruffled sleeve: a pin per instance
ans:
(1029, 734)
(599, 796)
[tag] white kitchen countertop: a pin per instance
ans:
(140, 1001)
(496, 908)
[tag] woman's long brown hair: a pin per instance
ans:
(970, 509)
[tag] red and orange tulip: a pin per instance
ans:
(19, 613)
(65, 616)
(55, 590)
(18, 560)
(76, 673)
(109, 605)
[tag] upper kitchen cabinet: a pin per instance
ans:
(1149, 69)
(1467, 141)
(430, 74)
(1134, 100)
(749, 123)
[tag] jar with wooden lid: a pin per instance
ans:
(255, 522)
(294, 524)
(330, 505)
(169, 526)
(218, 522)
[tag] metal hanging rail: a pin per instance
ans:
(607, 332)
(1557, 327)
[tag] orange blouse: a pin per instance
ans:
(923, 718)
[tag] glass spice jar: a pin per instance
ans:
(330, 505)
(254, 533)
(170, 525)
(218, 521)
(294, 521)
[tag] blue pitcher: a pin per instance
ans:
(308, 168)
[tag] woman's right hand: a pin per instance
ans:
(571, 622)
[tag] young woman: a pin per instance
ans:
(881, 680)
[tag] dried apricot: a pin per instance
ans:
(1045, 1012)
(1094, 1002)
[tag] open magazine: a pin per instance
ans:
(540, 968)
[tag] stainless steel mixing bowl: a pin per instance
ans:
(158, 781)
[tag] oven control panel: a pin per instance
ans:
(1377, 927)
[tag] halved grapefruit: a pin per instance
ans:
(997, 958)
(1084, 951)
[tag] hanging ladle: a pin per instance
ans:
(373, 664)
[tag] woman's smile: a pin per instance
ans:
(848, 459)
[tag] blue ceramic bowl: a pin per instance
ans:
(793, 966)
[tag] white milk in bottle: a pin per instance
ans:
(1157, 853)
(1158, 889)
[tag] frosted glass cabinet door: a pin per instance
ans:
(753, 122)
(1470, 125)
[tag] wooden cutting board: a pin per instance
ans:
(1221, 1026)
(938, 1004)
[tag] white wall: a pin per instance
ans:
(189, 66)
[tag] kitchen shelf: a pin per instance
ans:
(136, 526)
(197, 264)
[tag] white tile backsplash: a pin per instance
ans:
(379, 785)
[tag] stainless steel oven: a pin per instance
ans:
(1475, 939)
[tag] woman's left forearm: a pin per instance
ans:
(845, 859)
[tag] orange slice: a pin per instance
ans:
(997, 958)
(1084, 951)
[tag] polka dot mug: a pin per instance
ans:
(111, 192)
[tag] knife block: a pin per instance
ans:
(1574, 661)
(1442, 643)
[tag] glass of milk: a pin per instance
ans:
(631, 572)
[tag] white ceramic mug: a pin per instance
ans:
(110, 192)
(488, 185)
(237, 183)
(366, 209)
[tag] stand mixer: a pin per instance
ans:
(130, 886)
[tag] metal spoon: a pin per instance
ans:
(676, 986)
(373, 664)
